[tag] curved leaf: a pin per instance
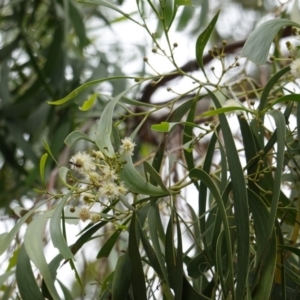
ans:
(136, 184)
(34, 246)
(27, 284)
(57, 236)
(259, 42)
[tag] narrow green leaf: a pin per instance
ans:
(109, 244)
(170, 253)
(273, 80)
(75, 136)
(66, 291)
(42, 167)
(111, 6)
(104, 128)
(137, 273)
(225, 110)
(57, 237)
(153, 224)
(84, 86)
(122, 278)
(266, 252)
(259, 42)
(281, 127)
(201, 175)
(8, 237)
(88, 104)
(27, 284)
(63, 171)
(136, 184)
(241, 210)
(162, 127)
(154, 176)
(34, 245)
(169, 12)
(179, 264)
(219, 263)
(203, 39)
(47, 147)
(154, 263)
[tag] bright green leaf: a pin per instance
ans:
(87, 105)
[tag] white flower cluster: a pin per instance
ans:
(101, 174)
(295, 68)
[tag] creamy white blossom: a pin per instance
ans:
(127, 146)
(109, 190)
(295, 68)
(84, 214)
(82, 162)
(109, 174)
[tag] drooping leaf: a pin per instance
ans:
(57, 237)
(42, 167)
(259, 42)
(34, 246)
(137, 273)
(27, 284)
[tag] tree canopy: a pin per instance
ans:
(153, 146)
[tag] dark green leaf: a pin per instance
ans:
(203, 39)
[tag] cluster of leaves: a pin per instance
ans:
(239, 237)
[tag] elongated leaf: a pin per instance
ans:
(27, 284)
(259, 42)
(122, 278)
(7, 238)
(280, 124)
(273, 80)
(266, 253)
(75, 136)
(83, 87)
(137, 273)
(240, 199)
(219, 265)
(34, 246)
(150, 253)
(228, 109)
(199, 174)
(154, 176)
(111, 6)
(136, 184)
(104, 128)
(57, 237)
(88, 104)
(42, 167)
(109, 244)
(203, 39)
(153, 224)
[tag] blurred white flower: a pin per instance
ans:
(109, 174)
(127, 146)
(82, 162)
(295, 68)
(84, 214)
(109, 190)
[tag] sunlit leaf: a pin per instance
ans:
(42, 167)
(87, 105)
